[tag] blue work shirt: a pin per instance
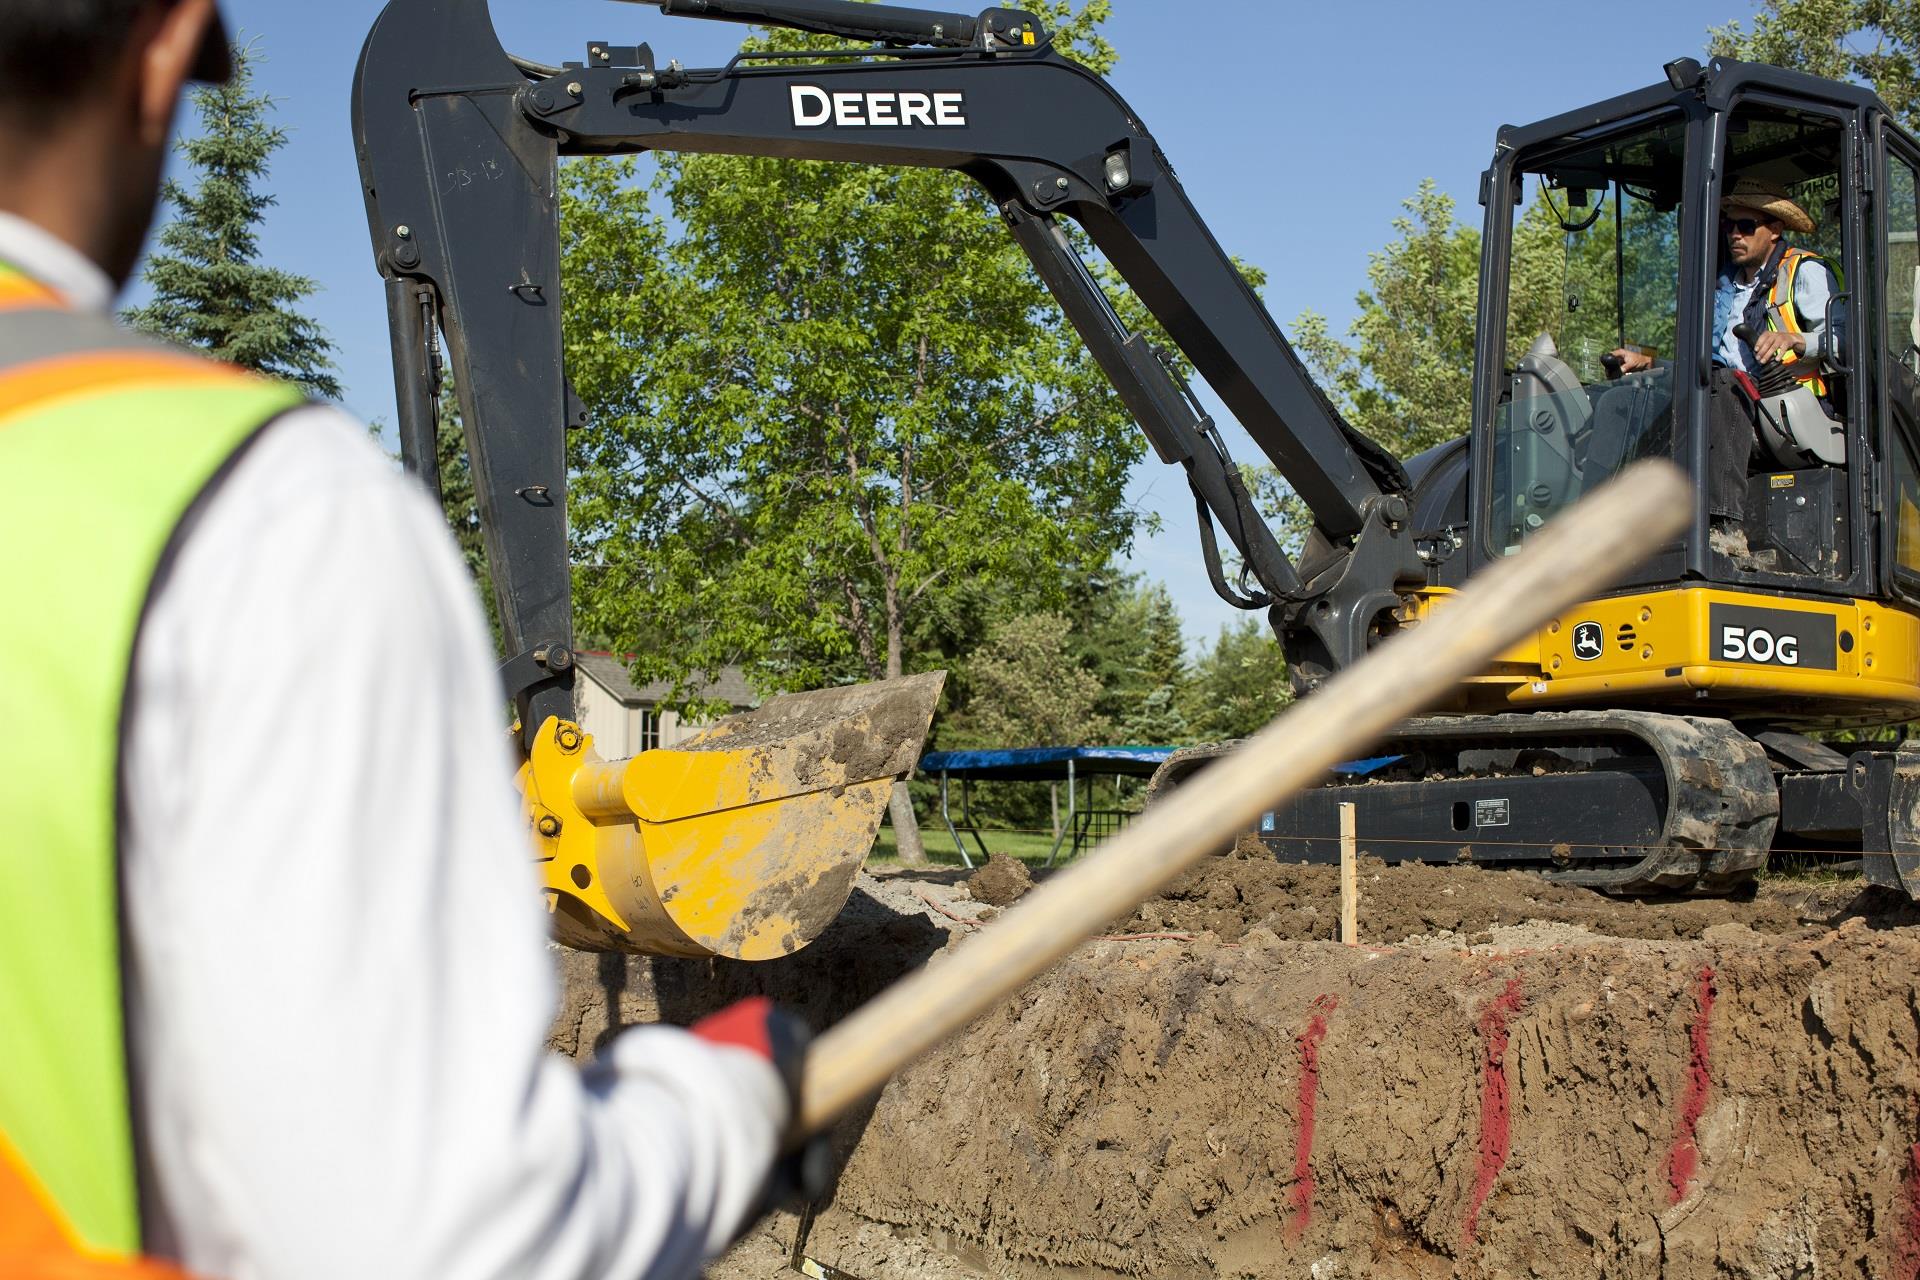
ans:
(1812, 287)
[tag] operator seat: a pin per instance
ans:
(1795, 428)
(1796, 433)
(1541, 372)
(1551, 407)
(1632, 419)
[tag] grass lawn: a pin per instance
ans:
(1810, 868)
(1029, 846)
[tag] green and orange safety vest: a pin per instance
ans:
(107, 442)
(1783, 317)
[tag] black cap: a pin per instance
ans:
(214, 64)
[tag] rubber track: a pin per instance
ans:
(1722, 803)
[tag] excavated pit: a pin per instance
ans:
(1510, 1079)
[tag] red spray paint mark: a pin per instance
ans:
(1906, 1254)
(1684, 1159)
(1495, 1130)
(1301, 1197)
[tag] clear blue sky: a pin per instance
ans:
(1296, 127)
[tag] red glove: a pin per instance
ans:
(760, 1026)
(804, 1173)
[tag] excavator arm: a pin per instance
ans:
(459, 146)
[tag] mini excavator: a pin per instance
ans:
(1655, 740)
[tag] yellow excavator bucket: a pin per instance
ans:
(742, 841)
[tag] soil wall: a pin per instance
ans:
(1518, 1081)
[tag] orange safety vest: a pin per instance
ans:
(36, 1245)
(21, 292)
(1783, 318)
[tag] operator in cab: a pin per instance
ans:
(1770, 288)
(1779, 292)
(275, 987)
(1770, 307)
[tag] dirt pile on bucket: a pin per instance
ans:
(1524, 1089)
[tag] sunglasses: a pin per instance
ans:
(1745, 226)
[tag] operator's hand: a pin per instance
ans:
(761, 1027)
(1768, 346)
(1632, 361)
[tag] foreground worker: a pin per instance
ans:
(273, 982)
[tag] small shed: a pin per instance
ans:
(1041, 764)
(625, 719)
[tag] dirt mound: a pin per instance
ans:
(1502, 1090)
(1229, 896)
(1277, 1110)
(1002, 882)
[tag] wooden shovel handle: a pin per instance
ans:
(1577, 555)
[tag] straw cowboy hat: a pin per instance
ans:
(1769, 198)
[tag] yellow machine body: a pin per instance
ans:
(743, 841)
(1715, 651)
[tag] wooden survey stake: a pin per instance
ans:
(1349, 876)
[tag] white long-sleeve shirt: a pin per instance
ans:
(338, 989)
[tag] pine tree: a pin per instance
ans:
(1031, 689)
(1126, 635)
(1237, 686)
(210, 289)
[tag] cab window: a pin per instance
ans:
(1900, 262)
(1595, 268)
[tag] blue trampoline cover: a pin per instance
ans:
(1045, 764)
(1049, 764)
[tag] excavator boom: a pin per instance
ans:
(459, 147)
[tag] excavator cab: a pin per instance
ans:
(1676, 724)
(1608, 240)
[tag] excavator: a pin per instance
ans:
(1664, 738)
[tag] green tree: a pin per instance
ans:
(210, 289)
(1407, 381)
(1548, 264)
(1873, 42)
(1028, 685)
(1238, 685)
(1030, 689)
(1127, 637)
(826, 398)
